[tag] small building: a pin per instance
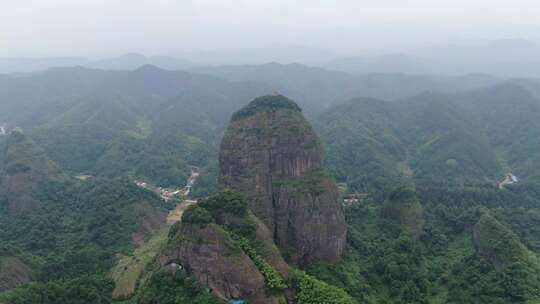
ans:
(352, 199)
(513, 178)
(509, 179)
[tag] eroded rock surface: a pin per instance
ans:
(211, 257)
(271, 154)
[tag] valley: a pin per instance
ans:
(172, 194)
(129, 269)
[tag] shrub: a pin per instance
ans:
(272, 279)
(227, 201)
(197, 215)
(313, 291)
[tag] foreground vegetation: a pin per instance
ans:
(385, 264)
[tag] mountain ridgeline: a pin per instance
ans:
(427, 189)
(437, 140)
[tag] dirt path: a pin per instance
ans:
(129, 269)
(176, 214)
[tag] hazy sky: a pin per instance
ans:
(111, 27)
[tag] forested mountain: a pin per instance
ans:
(102, 122)
(62, 234)
(460, 140)
(149, 123)
(418, 157)
(502, 58)
(446, 233)
(61, 87)
(323, 87)
(511, 116)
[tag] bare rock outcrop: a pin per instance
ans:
(271, 154)
(209, 254)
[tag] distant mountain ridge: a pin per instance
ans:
(323, 87)
(500, 58)
(130, 61)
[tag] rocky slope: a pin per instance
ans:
(271, 155)
(221, 244)
(277, 202)
(208, 254)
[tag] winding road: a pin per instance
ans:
(176, 214)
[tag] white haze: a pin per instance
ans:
(206, 29)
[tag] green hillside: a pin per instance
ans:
(452, 140)
(63, 234)
(430, 223)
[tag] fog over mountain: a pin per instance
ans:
(270, 152)
(416, 36)
(503, 58)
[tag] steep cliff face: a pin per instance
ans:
(26, 167)
(208, 253)
(271, 155)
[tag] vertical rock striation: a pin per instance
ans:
(210, 256)
(271, 154)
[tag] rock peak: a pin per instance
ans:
(272, 156)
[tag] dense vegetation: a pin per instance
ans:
(229, 210)
(82, 290)
(449, 236)
(166, 288)
(149, 124)
(385, 264)
(312, 291)
(68, 239)
(441, 141)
